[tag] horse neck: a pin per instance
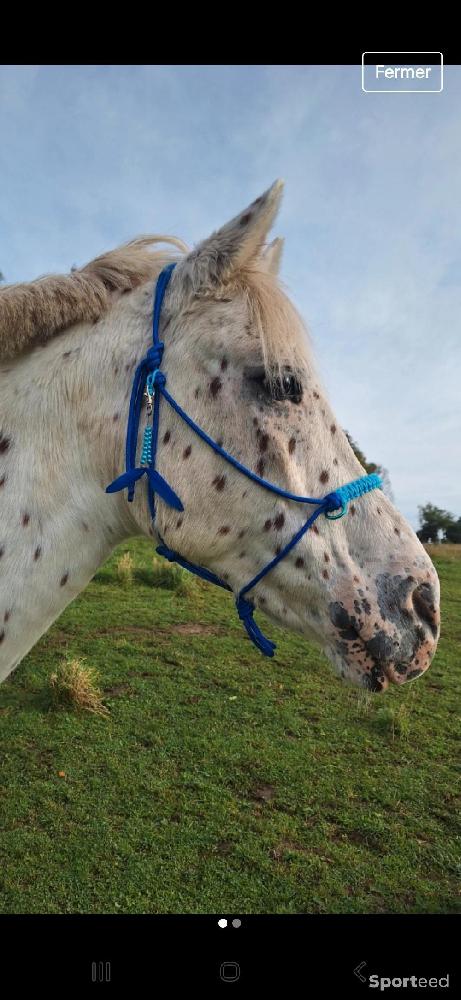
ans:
(62, 420)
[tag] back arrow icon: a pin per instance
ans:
(357, 972)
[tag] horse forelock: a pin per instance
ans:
(282, 332)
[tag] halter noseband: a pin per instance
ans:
(150, 379)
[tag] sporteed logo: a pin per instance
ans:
(382, 983)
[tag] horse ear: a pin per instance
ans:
(272, 255)
(214, 261)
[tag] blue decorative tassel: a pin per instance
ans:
(245, 612)
(156, 481)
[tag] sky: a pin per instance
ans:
(91, 156)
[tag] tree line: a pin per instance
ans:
(438, 525)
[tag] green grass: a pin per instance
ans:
(222, 781)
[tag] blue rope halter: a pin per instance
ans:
(149, 378)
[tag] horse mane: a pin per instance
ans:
(34, 311)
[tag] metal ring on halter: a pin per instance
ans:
(334, 517)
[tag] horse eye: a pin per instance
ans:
(287, 386)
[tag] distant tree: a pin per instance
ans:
(434, 521)
(453, 532)
(1, 277)
(426, 533)
(372, 467)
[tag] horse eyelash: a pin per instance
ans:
(271, 385)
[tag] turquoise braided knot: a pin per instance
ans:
(146, 447)
(351, 491)
(359, 486)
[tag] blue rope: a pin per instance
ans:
(148, 369)
(204, 574)
(148, 373)
(359, 486)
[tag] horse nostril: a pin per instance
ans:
(425, 606)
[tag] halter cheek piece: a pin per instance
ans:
(150, 380)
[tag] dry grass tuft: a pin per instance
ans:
(74, 685)
(125, 567)
(172, 577)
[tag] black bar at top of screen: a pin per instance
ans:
(402, 59)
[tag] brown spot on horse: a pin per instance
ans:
(4, 443)
(215, 386)
(263, 441)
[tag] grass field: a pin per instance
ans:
(220, 781)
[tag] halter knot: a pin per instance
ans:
(244, 609)
(156, 378)
(245, 612)
(332, 502)
(154, 356)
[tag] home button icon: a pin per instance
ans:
(230, 972)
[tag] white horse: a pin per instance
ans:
(238, 360)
